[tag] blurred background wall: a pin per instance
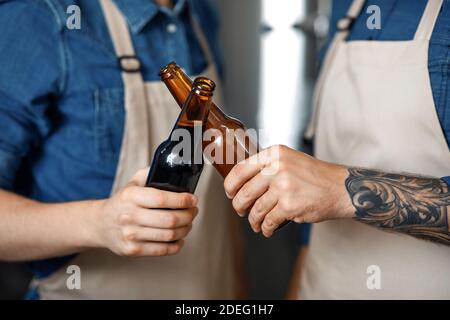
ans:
(270, 51)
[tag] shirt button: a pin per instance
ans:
(171, 28)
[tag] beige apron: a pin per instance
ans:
(204, 267)
(375, 109)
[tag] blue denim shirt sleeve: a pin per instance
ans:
(29, 75)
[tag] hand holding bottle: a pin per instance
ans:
(281, 184)
(136, 222)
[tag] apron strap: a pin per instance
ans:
(343, 28)
(118, 29)
(203, 42)
(136, 105)
(429, 18)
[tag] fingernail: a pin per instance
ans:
(228, 196)
(194, 200)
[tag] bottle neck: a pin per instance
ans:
(198, 103)
(195, 111)
(178, 82)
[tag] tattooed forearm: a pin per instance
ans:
(416, 206)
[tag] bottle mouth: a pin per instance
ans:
(204, 86)
(169, 71)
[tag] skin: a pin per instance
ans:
(282, 184)
(134, 222)
(165, 3)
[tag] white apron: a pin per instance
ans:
(374, 108)
(204, 267)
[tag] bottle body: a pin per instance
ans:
(233, 145)
(178, 161)
(170, 172)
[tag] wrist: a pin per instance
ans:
(91, 224)
(343, 206)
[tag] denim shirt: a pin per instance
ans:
(399, 21)
(61, 91)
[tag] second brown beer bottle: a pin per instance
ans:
(178, 161)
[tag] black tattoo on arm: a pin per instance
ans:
(417, 206)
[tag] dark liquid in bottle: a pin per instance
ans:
(172, 170)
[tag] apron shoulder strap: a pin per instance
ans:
(123, 44)
(343, 28)
(429, 18)
(344, 24)
(202, 39)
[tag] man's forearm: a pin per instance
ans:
(417, 206)
(30, 230)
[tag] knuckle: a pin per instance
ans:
(171, 220)
(237, 204)
(159, 200)
(282, 149)
(124, 219)
(300, 219)
(237, 170)
(127, 194)
(287, 205)
(192, 213)
(185, 201)
(282, 166)
(176, 248)
(169, 235)
(245, 193)
(251, 218)
(160, 250)
(258, 207)
(132, 250)
(269, 221)
(276, 149)
(228, 184)
(129, 234)
(284, 182)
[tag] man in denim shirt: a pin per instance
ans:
(62, 115)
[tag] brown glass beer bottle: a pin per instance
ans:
(234, 144)
(177, 167)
